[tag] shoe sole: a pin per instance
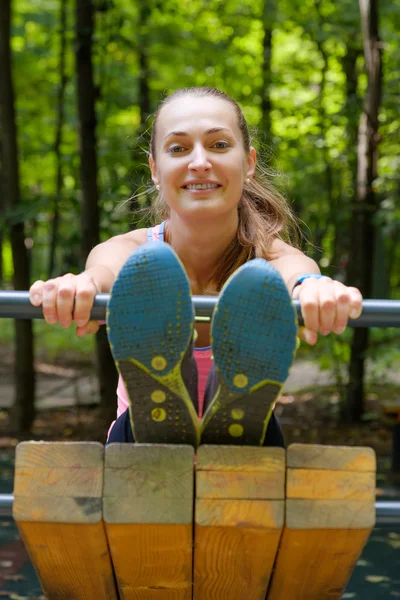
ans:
(150, 323)
(253, 334)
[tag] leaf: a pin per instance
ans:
(377, 578)
(15, 577)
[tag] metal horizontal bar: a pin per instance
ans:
(376, 313)
(386, 512)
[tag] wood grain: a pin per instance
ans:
(339, 458)
(330, 512)
(238, 520)
(148, 511)
(71, 561)
(316, 564)
(249, 458)
(334, 485)
(58, 511)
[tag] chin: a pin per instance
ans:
(205, 209)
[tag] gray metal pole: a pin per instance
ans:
(376, 313)
(386, 512)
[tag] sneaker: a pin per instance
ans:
(150, 323)
(253, 336)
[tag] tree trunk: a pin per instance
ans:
(140, 170)
(86, 91)
(269, 16)
(58, 139)
(1, 261)
(362, 230)
(23, 410)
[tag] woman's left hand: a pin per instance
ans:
(326, 306)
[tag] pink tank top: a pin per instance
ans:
(203, 356)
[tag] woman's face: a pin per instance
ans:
(200, 162)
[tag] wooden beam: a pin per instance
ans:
(330, 512)
(58, 511)
(148, 511)
(239, 517)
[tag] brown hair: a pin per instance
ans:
(264, 213)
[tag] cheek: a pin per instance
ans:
(170, 172)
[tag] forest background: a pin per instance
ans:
(319, 83)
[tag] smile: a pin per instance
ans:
(201, 186)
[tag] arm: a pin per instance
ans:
(326, 305)
(70, 297)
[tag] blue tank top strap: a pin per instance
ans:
(161, 232)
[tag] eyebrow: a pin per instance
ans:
(185, 134)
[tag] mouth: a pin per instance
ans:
(201, 186)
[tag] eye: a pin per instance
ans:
(221, 145)
(176, 149)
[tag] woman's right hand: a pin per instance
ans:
(66, 299)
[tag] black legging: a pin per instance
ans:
(121, 432)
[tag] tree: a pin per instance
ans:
(23, 410)
(58, 137)
(366, 201)
(268, 20)
(86, 95)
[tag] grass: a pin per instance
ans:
(52, 342)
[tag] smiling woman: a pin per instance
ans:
(227, 232)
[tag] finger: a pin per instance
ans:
(35, 292)
(355, 302)
(307, 336)
(49, 301)
(84, 298)
(90, 327)
(342, 307)
(327, 306)
(309, 303)
(66, 299)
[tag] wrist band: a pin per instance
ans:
(307, 276)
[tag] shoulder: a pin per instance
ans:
(280, 249)
(127, 242)
(115, 251)
(136, 238)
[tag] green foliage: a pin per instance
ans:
(216, 43)
(54, 343)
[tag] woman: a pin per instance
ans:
(221, 214)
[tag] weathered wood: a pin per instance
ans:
(221, 458)
(330, 513)
(239, 517)
(339, 458)
(148, 511)
(319, 484)
(250, 485)
(57, 508)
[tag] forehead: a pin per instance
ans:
(196, 114)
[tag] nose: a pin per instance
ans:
(199, 160)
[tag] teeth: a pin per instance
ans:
(201, 186)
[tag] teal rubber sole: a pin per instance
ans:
(150, 323)
(253, 334)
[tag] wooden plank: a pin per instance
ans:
(329, 516)
(251, 458)
(237, 533)
(148, 511)
(316, 564)
(340, 458)
(334, 485)
(71, 561)
(58, 511)
(251, 485)
(242, 513)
